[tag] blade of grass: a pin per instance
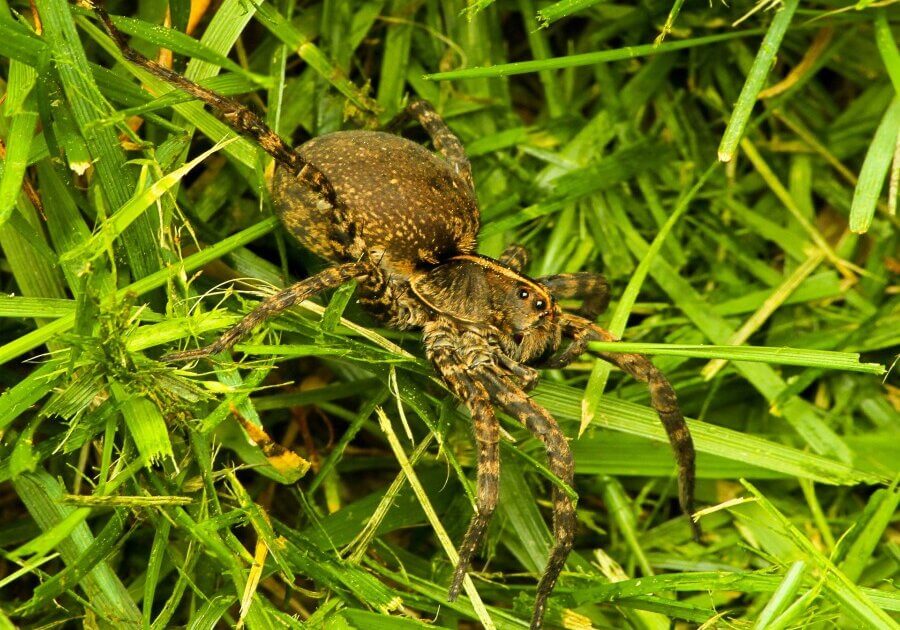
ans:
(562, 9)
(313, 55)
(766, 172)
(670, 22)
(564, 403)
(779, 356)
(855, 602)
(145, 424)
(593, 391)
(783, 595)
(800, 414)
(240, 149)
(117, 223)
(880, 511)
(778, 297)
(875, 169)
(586, 59)
(88, 106)
(99, 549)
(18, 141)
(756, 79)
(46, 333)
(41, 493)
(385, 424)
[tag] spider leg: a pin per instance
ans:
(579, 337)
(274, 304)
(540, 423)
(515, 256)
(662, 398)
(440, 346)
(525, 377)
(445, 141)
(592, 288)
(234, 114)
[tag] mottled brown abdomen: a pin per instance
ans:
(401, 201)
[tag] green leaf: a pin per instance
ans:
(874, 169)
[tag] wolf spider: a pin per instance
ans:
(404, 223)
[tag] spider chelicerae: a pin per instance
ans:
(404, 221)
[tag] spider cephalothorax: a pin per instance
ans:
(516, 313)
(403, 221)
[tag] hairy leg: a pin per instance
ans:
(559, 458)
(440, 349)
(238, 117)
(579, 336)
(445, 141)
(274, 304)
(664, 401)
(662, 398)
(515, 257)
(525, 377)
(592, 288)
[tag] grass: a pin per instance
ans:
(132, 222)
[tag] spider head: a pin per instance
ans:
(480, 291)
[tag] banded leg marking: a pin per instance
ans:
(486, 427)
(591, 288)
(561, 463)
(515, 257)
(274, 304)
(662, 398)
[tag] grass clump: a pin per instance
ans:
(133, 222)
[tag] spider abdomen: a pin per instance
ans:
(401, 201)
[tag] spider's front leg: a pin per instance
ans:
(540, 423)
(515, 256)
(525, 377)
(662, 398)
(274, 304)
(591, 288)
(441, 344)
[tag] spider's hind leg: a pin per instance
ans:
(664, 401)
(445, 141)
(235, 115)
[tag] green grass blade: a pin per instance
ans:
(756, 79)
(109, 597)
(855, 602)
(849, 361)
(783, 595)
(195, 261)
(87, 107)
(564, 403)
(439, 530)
(875, 169)
(22, 111)
(586, 59)
(561, 9)
(600, 372)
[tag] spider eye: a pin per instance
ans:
(539, 304)
(523, 294)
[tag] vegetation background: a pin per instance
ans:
(129, 491)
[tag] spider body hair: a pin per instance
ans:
(403, 221)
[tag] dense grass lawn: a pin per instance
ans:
(732, 170)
